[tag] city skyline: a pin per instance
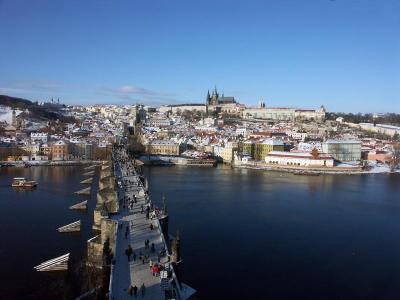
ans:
(344, 55)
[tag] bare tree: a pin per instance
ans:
(395, 160)
(315, 153)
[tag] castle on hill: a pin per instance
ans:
(217, 104)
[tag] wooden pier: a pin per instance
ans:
(85, 191)
(92, 167)
(90, 173)
(56, 264)
(87, 181)
(72, 227)
(79, 206)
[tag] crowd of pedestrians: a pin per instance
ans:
(146, 254)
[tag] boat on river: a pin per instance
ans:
(23, 182)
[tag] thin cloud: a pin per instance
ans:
(33, 88)
(41, 89)
(38, 85)
(140, 94)
(130, 89)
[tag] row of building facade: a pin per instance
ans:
(59, 150)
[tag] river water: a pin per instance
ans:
(28, 226)
(250, 234)
(246, 234)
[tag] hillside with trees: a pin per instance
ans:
(35, 111)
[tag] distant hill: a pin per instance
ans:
(36, 111)
(14, 102)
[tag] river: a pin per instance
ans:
(246, 234)
(250, 234)
(28, 224)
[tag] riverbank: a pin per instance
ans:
(159, 160)
(346, 169)
(42, 163)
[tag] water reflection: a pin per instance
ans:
(311, 237)
(28, 223)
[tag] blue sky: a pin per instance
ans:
(344, 54)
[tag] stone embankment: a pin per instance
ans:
(32, 163)
(313, 170)
(106, 205)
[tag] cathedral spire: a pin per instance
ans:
(208, 97)
(215, 92)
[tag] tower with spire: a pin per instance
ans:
(208, 98)
(211, 100)
(214, 97)
(216, 103)
(14, 118)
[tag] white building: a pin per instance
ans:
(37, 157)
(296, 135)
(182, 107)
(284, 113)
(158, 122)
(310, 114)
(206, 128)
(207, 121)
(308, 147)
(339, 119)
(274, 114)
(300, 159)
(33, 148)
(241, 131)
(39, 137)
(380, 128)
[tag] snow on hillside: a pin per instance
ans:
(6, 114)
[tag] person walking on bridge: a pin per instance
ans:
(130, 289)
(129, 252)
(143, 289)
(135, 291)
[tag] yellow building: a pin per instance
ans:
(162, 147)
(226, 153)
(262, 149)
(248, 147)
